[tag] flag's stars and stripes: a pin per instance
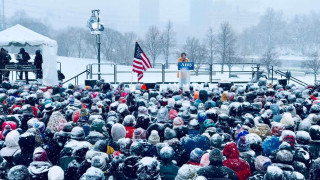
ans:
(140, 62)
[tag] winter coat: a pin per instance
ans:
(129, 132)
(249, 156)
(288, 170)
(25, 57)
(25, 155)
(195, 141)
(158, 127)
(314, 149)
(39, 170)
(181, 131)
(54, 121)
(217, 170)
(257, 175)
(180, 60)
(181, 155)
(38, 61)
(239, 166)
(12, 146)
(168, 170)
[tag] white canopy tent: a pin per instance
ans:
(20, 36)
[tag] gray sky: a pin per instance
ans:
(124, 15)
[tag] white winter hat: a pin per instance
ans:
(12, 145)
(287, 119)
(187, 172)
(118, 131)
(154, 137)
(55, 173)
(305, 125)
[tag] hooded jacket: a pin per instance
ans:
(12, 145)
(239, 166)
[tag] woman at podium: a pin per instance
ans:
(183, 75)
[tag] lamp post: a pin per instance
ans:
(96, 28)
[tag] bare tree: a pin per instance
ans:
(270, 58)
(225, 43)
(167, 41)
(128, 47)
(64, 40)
(196, 52)
(211, 44)
(313, 64)
(110, 44)
(152, 43)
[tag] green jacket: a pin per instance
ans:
(168, 171)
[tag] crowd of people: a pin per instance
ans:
(255, 131)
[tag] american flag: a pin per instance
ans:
(140, 62)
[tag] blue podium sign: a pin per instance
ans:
(186, 65)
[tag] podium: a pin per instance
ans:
(184, 73)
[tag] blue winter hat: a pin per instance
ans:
(208, 123)
(242, 133)
(243, 145)
(202, 116)
(196, 154)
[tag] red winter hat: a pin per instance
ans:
(173, 114)
(122, 100)
(290, 139)
(40, 154)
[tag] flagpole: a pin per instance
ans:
(132, 74)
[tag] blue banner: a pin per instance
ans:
(186, 65)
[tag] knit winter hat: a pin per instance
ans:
(216, 140)
(284, 156)
(202, 116)
(77, 133)
(288, 136)
(196, 155)
(169, 133)
(215, 155)
(187, 172)
(129, 121)
(194, 125)
(242, 144)
(303, 137)
(315, 132)
(139, 134)
(277, 128)
(118, 131)
(287, 119)
(261, 163)
(18, 172)
(305, 125)
(40, 154)
(208, 123)
(205, 160)
(154, 137)
(178, 121)
(273, 173)
(163, 115)
(173, 114)
(167, 153)
(55, 173)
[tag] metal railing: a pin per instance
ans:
(76, 77)
(204, 70)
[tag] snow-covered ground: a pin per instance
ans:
(73, 66)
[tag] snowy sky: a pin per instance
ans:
(124, 15)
